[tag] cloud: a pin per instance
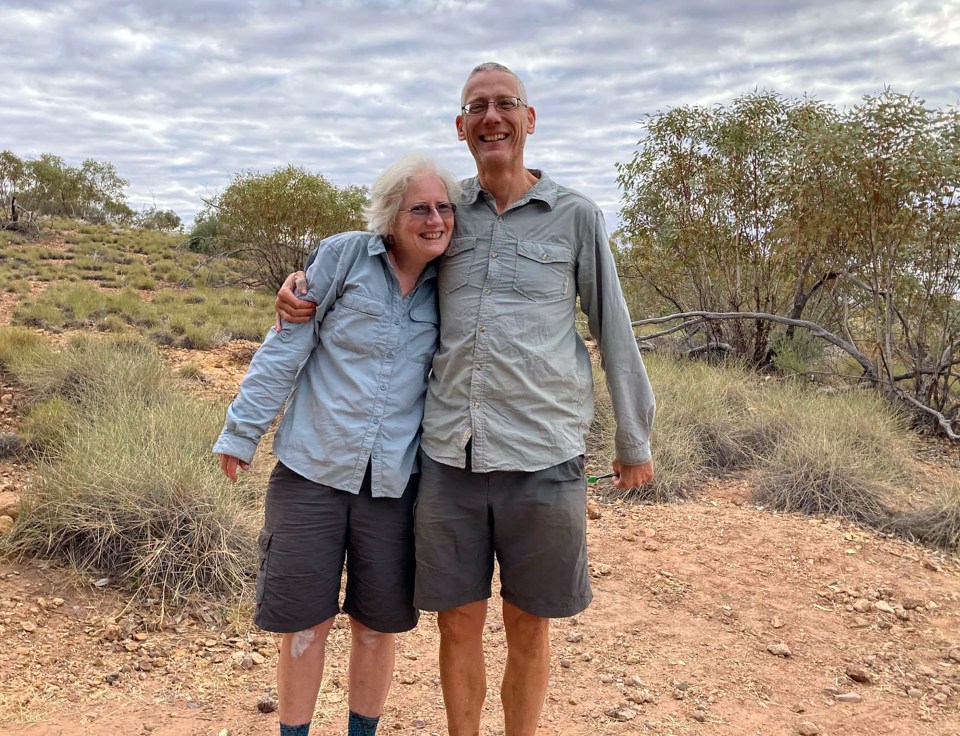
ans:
(180, 95)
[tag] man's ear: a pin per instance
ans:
(531, 120)
(461, 135)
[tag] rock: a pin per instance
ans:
(649, 545)
(9, 504)
(913, 603)
(566, 664)
(266, 704)
(28, 626)
(776, 623)
(644, 696)
(808, 728)
(593, 510)
(940, 698)
(574, 637)
(635, 680)
(606, 679)
(408, 680)
(857, 674)
(862, 605)
(779, 649)
(224, 732)
(419, 723)
(699, 716)
(6, 524)
(884, 607)
(621, 714)
(257, 658)
(601, 568)
(246, 662)
(849, 698)
(681, 685)
(954, 655)
(914, 692)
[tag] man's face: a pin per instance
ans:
(495, 138)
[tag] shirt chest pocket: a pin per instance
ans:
(544, 270)
(457, 263)
(423, 335)
(355, 322)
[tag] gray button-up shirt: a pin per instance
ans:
(512, 372)
(358, 373)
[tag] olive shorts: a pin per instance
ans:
(308, 530)
(534, 524)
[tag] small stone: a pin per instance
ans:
(593, 510)
(419, 723)
(257, 658)
(776, 623)
(940, 698)
(849, 698)
(622, 714)
(681, 685)
(798, 708)
(224, 732)
(6, 524)
(246, 662)
(862, 605)
(407, 679)
(606, 679)
(699, 716)
(645, 696)
(601, 568)
(574, 637)
(566, 664)
(9, 504)
(931, 565)
(915, 692)
(912, 603)
(954, 655)
(635, 680)
(28, 626)
(857, 674)
(140, 636)
(884, 607)
(266, 704)
(649, 545)
(808, 728)
(779, 649)
(111, 678)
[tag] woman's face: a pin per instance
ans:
(417, 236)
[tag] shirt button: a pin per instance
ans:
(494, 254)
(543, 256)
(488, 292)
(500, 219)
(483, 329)
(383, 387)
(476, 404)
(396, 321)
(389, 353)
(376, 456)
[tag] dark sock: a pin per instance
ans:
(302, 730)
(362, 725)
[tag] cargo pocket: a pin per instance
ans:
(264, 544)
(456, 263)
(423, 334)
(544, 270)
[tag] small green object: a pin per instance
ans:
(594, 478)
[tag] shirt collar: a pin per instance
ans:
(376, 246)
(544, 190)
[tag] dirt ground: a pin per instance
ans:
(713, 617)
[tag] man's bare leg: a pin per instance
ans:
(371, 669)
(463, 673)
(528, 668)
(299, 672)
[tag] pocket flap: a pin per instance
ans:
(543, 252)
(425, 314)
(460, 244)
(361, 303)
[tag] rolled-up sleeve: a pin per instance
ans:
(601, 299)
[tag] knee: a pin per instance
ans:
(302, 641)
(525, 630)
(462, 624)
(367, 637)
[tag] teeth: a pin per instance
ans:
(432, 236)
(492, 138)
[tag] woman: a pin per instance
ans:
(346, 447)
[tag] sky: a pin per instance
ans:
(181, 95)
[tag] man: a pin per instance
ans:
(509, 405)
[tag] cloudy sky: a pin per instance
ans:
(181, 94)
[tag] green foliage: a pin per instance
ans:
(17, 343)
(277, 217)
(129, 487)
(154, 219)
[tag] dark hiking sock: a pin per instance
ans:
(362, 725)
(302, 730)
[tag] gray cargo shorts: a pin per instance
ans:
(534, 524)
(308, 530)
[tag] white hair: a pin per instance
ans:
(391, 185)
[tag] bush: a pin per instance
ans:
(837, 454)
(937, 524)
(133, 492)
(17, 343)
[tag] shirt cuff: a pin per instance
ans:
(637, 455)
(239, 447)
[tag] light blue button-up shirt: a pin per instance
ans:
(357, 372)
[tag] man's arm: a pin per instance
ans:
(630, 392)
(290, 307)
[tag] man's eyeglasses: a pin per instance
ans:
(446, 210)
(504, 104)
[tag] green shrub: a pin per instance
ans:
(18, 344)
(132, 490)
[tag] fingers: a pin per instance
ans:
(633, 476)
(291, 308)
(229, 465)
(300, 279)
